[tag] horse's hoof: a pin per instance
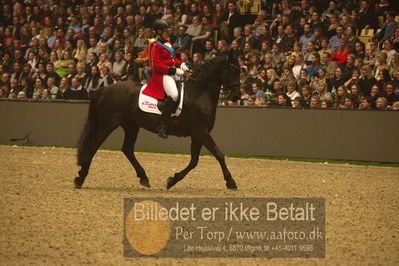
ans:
(170, 183)
(78, 183)
(145, 182)
(232, 186)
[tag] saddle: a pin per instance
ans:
(149, 104)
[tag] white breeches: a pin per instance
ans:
(170, 88)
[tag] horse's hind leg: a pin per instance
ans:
(210, 144)
(88, 147)
(131, 132)
(195, 151)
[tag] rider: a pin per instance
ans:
(164, 64)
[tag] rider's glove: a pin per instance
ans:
(184, 67)
(179, 72)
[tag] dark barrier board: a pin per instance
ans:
(329, 134)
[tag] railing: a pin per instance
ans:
(43, 100)
(220, 106)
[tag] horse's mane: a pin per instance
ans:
(206, 71)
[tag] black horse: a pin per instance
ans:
(117, 105)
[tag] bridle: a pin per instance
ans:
(236, 68)
(236, 84)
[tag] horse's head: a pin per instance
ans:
(230, 76)
(220, 71)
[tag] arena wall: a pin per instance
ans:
(327, 134)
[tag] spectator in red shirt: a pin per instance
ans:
(341, 54)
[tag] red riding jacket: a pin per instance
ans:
(163, 63)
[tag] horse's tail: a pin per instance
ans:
(90, 128)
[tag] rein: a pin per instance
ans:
(206, 84)
(215, 86)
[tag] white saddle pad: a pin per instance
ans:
(149, 104)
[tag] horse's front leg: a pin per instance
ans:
(207, 140)
(195, 151)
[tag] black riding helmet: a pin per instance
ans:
(161, 24)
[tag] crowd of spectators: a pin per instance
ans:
(300, 54)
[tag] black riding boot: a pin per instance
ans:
(165, 117)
